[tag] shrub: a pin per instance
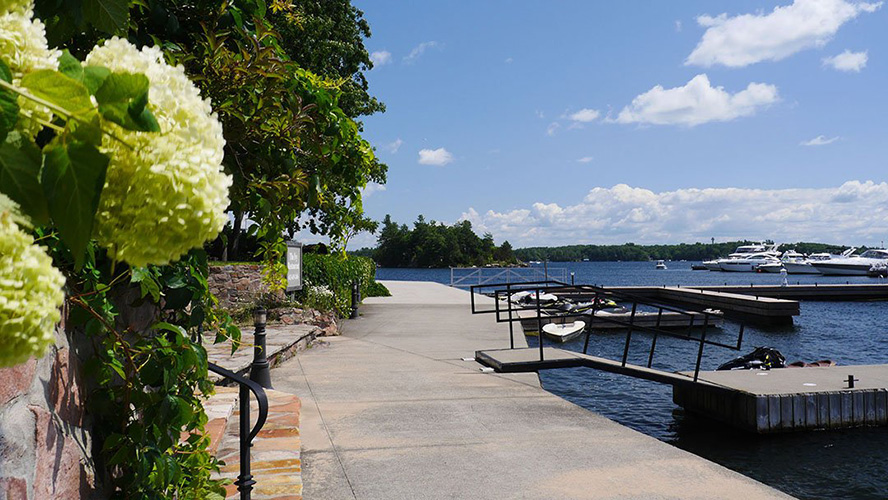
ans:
(336, 273)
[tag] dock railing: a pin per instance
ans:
(505, 310)
(464, 277)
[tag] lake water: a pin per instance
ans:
(849, 464)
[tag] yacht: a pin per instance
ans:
(854, 265)
(804, 266)
(740, 252)
(660, 265)
(789, 259)
(748, 263)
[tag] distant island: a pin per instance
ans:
(435, 244)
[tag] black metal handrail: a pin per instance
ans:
(596, 292)
(246, 435)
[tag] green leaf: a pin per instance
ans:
(5, 72)
(70, 66)
(73, 178)
(20, 176)
(110, 16)
(61, 90)
(123, 99)
(9, 108)
(94, 77)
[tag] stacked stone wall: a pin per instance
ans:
(238, 285)
(44, 445)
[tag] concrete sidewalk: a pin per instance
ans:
(390, 411)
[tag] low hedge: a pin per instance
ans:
(327, 281)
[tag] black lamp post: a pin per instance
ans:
(260, 371)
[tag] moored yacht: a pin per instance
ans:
(748, 263)
(741, 252)
(855, 265)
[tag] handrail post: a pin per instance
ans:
(629, 333)
(511, 326)
(539, 323)
(260, 370)
(702, 344)
(245, 480)
(656, 334)
(591, 321)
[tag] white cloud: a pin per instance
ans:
(695, 103)
(677, 26)
(381, 58)
(586, 159)
(509, 60)
(371, 188)
(438, 157)
(585, 115)
(847, 61)
(750, 38)
(820, 140)
(394, 146)
(853, 213)
(419, 50)
(552, 128)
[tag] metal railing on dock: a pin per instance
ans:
(464, 277)
(502, 294)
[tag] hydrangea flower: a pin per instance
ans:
(24, 49)
(168, 194)
(30, 292)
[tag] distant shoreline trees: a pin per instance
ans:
(435, 244)
(431, 244)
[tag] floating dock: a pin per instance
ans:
(780, 400)
(790, 399)
(748, 308)
(667, 320)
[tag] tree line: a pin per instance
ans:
(435, 244)
(633, 252)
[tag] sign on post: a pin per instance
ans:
(294, 266)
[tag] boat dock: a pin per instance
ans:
(779, 400)
(397, 407)
(745, 307)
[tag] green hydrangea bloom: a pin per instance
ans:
(30, 292)
(24, 49)
(168, 194)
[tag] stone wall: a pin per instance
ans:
(44, 447)
(238, 285)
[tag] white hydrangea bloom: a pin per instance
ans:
(24, 49)
(169, 195)
(30, 292)
(16, 6)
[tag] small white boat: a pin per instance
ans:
(564, 332)
(661, 265)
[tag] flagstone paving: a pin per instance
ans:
(282, 341)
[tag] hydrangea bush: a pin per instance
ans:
(30, 291)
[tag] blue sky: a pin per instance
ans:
(550, 123)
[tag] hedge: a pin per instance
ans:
(328, 281)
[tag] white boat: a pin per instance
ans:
(855, 265)
(740, 252)
(748, 263)
(804, 266)
(661, 265)
(789, 258)
(564, 332)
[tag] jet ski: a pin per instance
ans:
(762, 358)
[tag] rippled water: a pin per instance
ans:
(827, 464)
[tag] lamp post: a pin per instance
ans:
(260, 371)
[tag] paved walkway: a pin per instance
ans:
(391, 411)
